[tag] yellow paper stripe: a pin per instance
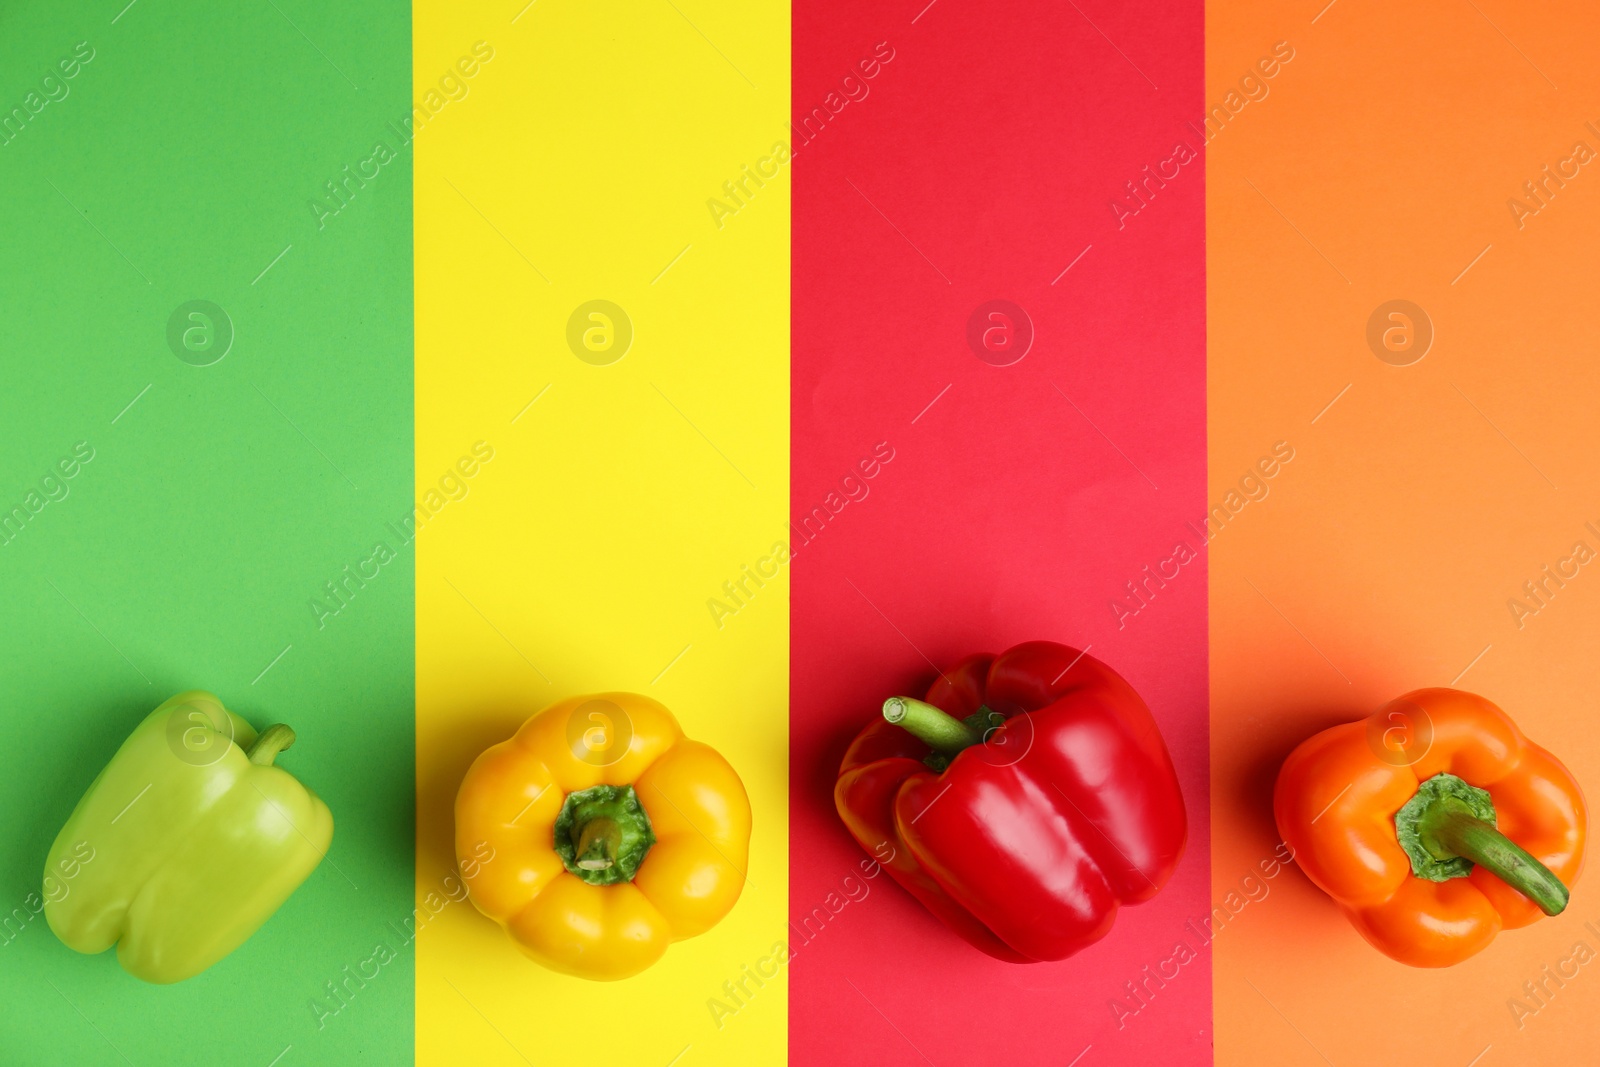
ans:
(577, 511)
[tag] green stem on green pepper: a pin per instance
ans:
(273, 740)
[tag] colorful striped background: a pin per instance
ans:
(387, 494)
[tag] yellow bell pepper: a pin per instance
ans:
(613, 835)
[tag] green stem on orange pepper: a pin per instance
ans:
(1448, 827)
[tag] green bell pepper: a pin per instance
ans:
(197, 839)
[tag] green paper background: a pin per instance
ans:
(217, 505)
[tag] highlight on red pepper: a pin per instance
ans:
(1434, 824)
(1026, 799)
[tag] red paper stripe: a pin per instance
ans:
(942, 504)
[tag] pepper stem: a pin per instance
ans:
(1449, 826)
(271, 741)
(598, 844)
(602, 834)
(939, 731)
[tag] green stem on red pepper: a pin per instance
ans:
(940, 731)
(1448, 827)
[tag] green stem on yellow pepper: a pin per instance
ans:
(598, 844)
(603, 833)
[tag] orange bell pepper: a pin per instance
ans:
(612, 835)
(1434, 825)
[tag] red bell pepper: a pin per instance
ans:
(1027, 799)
